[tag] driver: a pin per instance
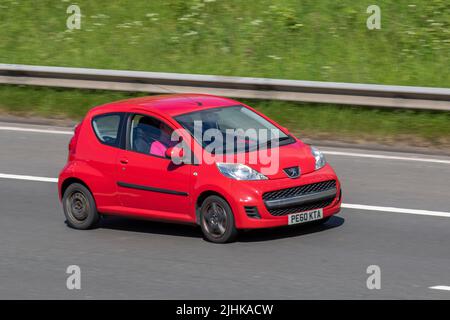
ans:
(160, 145)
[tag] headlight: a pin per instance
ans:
(320, 158)
(239, 171)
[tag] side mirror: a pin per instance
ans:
(176, 154)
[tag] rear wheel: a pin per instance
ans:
(79, 207)
(217, 220)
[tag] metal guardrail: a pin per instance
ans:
(237, 87)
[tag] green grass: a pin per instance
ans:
(344, 123)
(323, 40)
(360, 124)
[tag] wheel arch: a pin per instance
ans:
(202, 197)
(71, 180)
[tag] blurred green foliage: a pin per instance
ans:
(324, 40)
(345, 123)
(310, 40)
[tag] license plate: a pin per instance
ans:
(305, 216)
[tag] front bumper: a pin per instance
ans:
(251, 192)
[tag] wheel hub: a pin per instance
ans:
(215, 219)
(78, 206)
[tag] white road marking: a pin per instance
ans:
(446, 288)
(379, 156)
(28, 178)
(396, 210)
(344, 205)
(36, 130)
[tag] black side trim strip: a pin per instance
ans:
(152, 189)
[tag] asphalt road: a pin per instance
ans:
(128, 259)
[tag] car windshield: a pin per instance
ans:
(232, 129)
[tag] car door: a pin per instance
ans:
(147, 181)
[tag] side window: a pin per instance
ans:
(150, 136)
(106, 128)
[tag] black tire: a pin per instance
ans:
(79, 207)
(217, 220)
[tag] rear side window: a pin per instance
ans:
(107, 128)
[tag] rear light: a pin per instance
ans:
(73, 142)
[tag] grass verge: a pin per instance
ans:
(325, 40)
(316, 121)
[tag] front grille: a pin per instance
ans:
(305, 207)
(298, 191)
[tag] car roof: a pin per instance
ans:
(170, 104)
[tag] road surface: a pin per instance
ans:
(128, 259)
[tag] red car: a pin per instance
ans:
(194, 159)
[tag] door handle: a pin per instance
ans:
(123, 161)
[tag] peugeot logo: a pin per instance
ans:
(292, 172)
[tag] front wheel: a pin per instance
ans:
(217, 220)
(79, 207)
